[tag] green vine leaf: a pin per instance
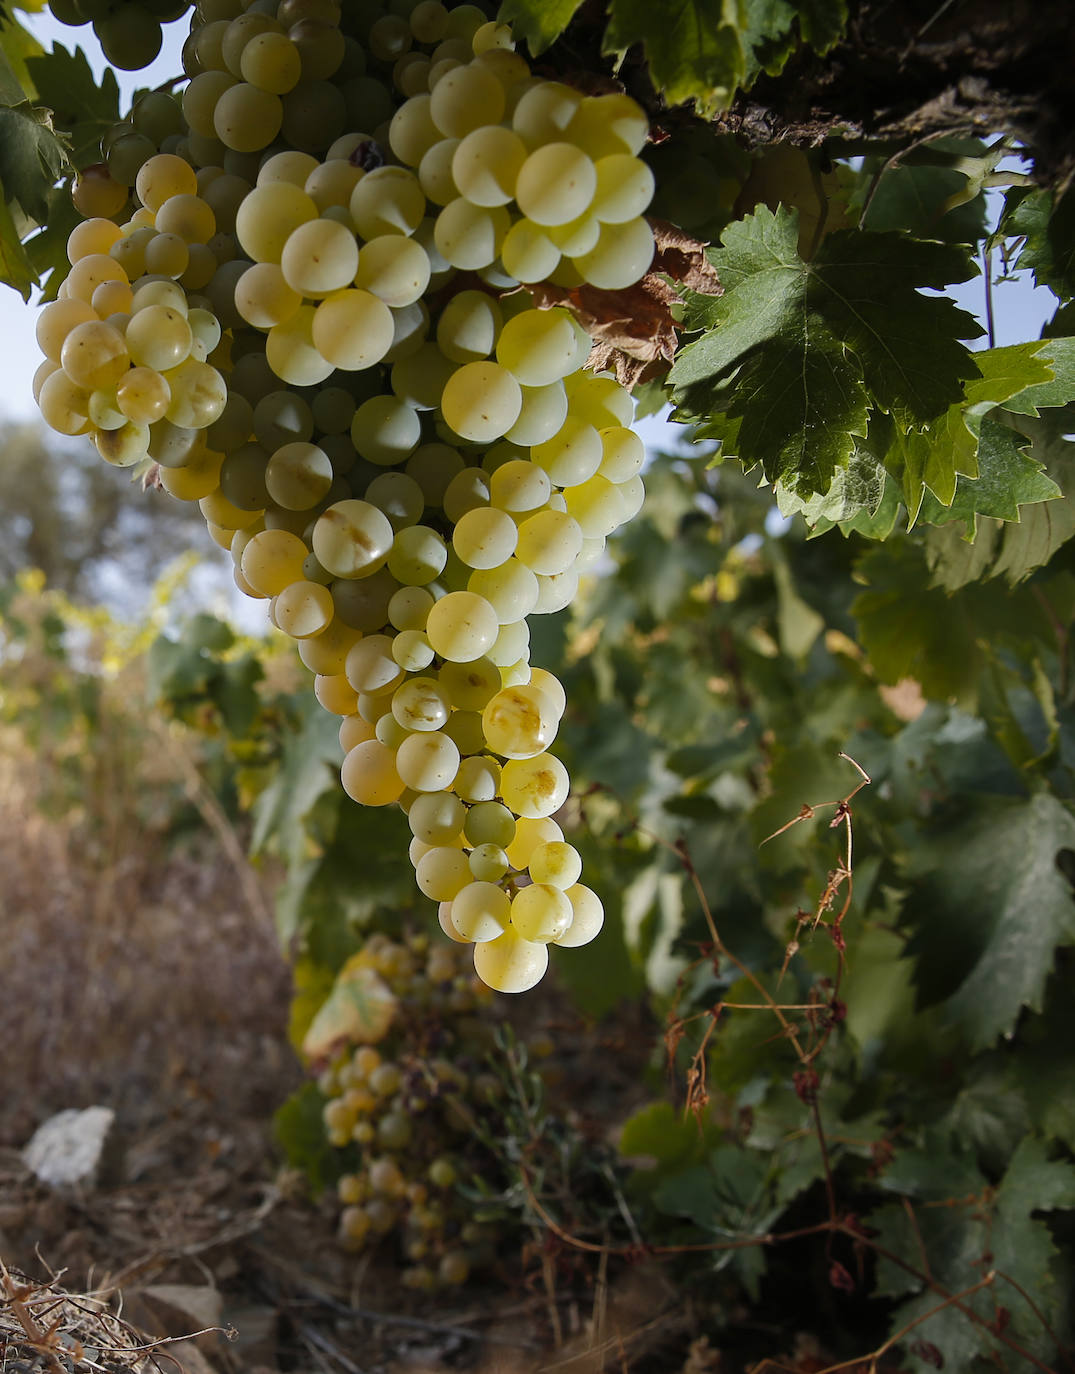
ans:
(799, 352)
(693, 48)
(992, 907)
(1048, 226)
(32, 157)
(81, 107)
(16, 269)
(538, 25)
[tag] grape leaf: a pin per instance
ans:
(16, 269)
(1007, 479)
(1058, 390)
(538, 22)
(84, 109)
(822, 22)
(693, 48)
(31, 156)
(799, 351)
(16, 45)
(992, 908)
(910, 629)
(860, 486)
(1049, 229)
(936, 458)
(978, 1228)
(47, 249)
(1045, 526)
(768, 36)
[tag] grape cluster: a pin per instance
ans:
(409, 1105)
(129, 31)
(313, 317)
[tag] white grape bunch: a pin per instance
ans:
(311, 315)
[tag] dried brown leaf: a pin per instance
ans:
(633, 330)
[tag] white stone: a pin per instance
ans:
(65, 1151)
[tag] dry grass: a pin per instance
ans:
(139, 971)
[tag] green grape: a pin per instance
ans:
(412, 650)
(409, 608)
(555, 184)
(436, 818)
(555, 863)
(528, 253)
(94, 355)
(200, 99)
(481, 401)
(442, 872)
(421, 704)
(369, 774)
(588, 916)
(467, 490)
(303, 609)
(511, 589)
(468, 327)
(465, 99)
(319, 257)
(609, 124)
(123, 447)
(420, 379)
(621, 257)
(263, 297)
(352, 539)
(549, 542)
(520, 722)
(485, 537)
(130, 37)
(282, 417)
(538, 346)
(480, 910)
(271, 62)
(572, 455)
(412, 132)
(543, 413)
(417, 555)
(470, 236)
(534, 787)
(353, 329)
(541, 912)
(330, 183)
(398, 496)
(199, 394)
(597, 505)
(333, 692)
(393, 268)
(158, 337)
(143, 395)
(428, 761)
(470, 685)
(435, 172)
(462, 627)
(268, 216)
(490, 822)
(363, 604)
(510, 963)
(388, 200)
(625, 188)
(488, 863)
(478, 779)
(371, 668)
(321, 48)
(291, 352)
(386, 430)
(433, 467)
(298, 476)
(510, 650)
(486, 165)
